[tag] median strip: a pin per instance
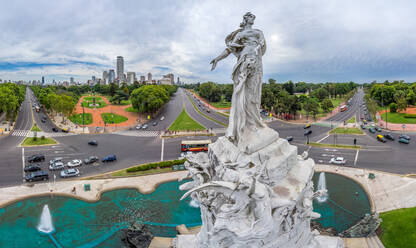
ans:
(333, 146)
(206, 116)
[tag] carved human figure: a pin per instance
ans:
(248, 45)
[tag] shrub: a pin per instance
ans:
(410, 116)
(162, 164)
(393, 107)
(42, 137)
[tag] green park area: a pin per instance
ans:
(111, 118)
(131, 109)
(221, 104)
(36, 141)
(400, 118)
(349, 130)
(185, 123)
(35, 128)
(352, 120)
(321, 113)
(77, 119)
(87, 101)
(398, 228)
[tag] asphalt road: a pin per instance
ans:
(356, 103)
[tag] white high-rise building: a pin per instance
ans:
(111, 76)
(131, 77)
(120, 69)
(149, 78)
(105, 77)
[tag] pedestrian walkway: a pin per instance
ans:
(28, 133)
(139, 133)
(21, 133)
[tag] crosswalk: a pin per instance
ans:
(139, 133)
(28, 133)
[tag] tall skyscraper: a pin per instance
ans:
(105, 77)
(142, 79)
(43, 80)
(149, 78)
(111, 76)
(131, 77)
(71, 81)
(120, 69)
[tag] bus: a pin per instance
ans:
(343, 108)
(195, 145)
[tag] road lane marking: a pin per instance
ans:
(319, 141)
(163, 147)
(356, 157)
(59, 151)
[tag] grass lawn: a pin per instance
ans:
(398, 118)
(350, 130)
(89, 100)
(131, 109)
(336, 101)
(222, 104)
(185, 122)
(399, 228)
(332, 145)
(111, 118)
(77, 119)
(352, 120)
(30, 141)
(35, 128)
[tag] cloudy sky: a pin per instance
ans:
(312, 41)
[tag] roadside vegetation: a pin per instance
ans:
(345, 130)
(111, 118)
(77, 119)
(286, 100)
(333, 146)
(11, 98)
(185, 123)
(35, 141)
(131, 109)
(401, 118)
(352, 120)
(35, 128)
(398, 228)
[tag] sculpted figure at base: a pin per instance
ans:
(253, 189)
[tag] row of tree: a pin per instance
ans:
(11, 97)
(398, 95)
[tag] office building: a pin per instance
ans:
(149, 78)
(105, 77)
(111, 76)
(120, 69)
(164, 80)
(43, 80)
(71, 81)
(170, 77)
(131, 77)
(142, 79)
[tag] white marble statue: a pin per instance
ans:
(253, 189)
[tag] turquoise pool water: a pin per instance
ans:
(347, 202)
(97, 224)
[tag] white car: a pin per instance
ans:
(73, 172)
(162, 118)
(338, 160)
(139, 127)
(74, 163)
(57, 166)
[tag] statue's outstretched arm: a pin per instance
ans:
(223, 55)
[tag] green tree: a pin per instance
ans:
(393, 107)
(9, 103)
(289, 87)
(149, 98)
(326, 105)
(119, 96)
(411, 97)
(113, 89)
(311, 106)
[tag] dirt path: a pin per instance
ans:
(117, 109)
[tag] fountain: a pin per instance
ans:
(45, 224)
(322, 188)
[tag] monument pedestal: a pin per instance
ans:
(262, 199)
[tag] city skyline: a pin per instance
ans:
(313, 42)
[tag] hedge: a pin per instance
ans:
(162, 164)
(410, 116)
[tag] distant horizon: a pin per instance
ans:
(320, 41)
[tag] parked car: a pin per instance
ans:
(145, 126)
(109, 158)
(338, 160)
(389, 136)
(381, 138)
(32, 168)
(36, 176)
(162, 118)
(54, 160)
(289, 138)
(43, 120)
(138, 127)
(372, 130)
(403, 140)
(74, 163)
(91, 160)
(93, 143)
(378, 129)
(65, 130)
(55, 129)
(36, 158)
(73, 172)
(362, 126)
(57, 166)
(307, 132)
(154, 123)
(307, 126)
(404, 136)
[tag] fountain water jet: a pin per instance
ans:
(45, 224)
(194, 204)
(322, 188)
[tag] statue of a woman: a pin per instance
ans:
(246, 128)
